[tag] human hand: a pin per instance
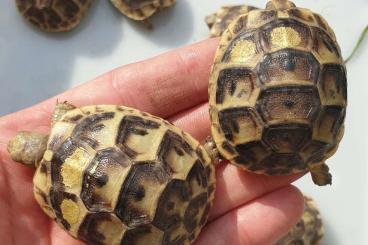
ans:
(249, 209)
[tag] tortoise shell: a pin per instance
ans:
(309, 229)
(141, 9)
(278, 91)
(114, 175)
(219, 21)
(53, 16)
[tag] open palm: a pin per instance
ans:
(249, 209)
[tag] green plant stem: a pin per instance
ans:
(360, 40)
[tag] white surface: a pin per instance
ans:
(35, 65)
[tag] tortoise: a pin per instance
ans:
(54, 15)
(278, 92)
(141, 9)
(309, 229)
(114, 175)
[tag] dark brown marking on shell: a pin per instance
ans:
(230, 78)
(88, 230)
(248, 35)
(320, 22)
(56, 198)
(315, 151)
(169, 205)
(198, 174)
(131, 236)
(177, 240)
(330, 121)
(65, 150)
(104, 160)
(251, 153)
(42, 194)
(133, 125)
(229, 120)
(191, 216)
(282, 163)
(175, 142)
(298, 64)
(200, 154)
(323, 39)
(289, 103)
(228, 147)
(205, 214)
(287, 138)
(73, 119)
(141, 174)
(89, 122)
(43, 168)
(333, 81)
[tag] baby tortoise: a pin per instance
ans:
(53, 15)
(113, 175)
(141, 9)
(278, 92)
(309, 230)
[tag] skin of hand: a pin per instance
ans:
(249, 209)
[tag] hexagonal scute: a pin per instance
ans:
(325, 47)
(288, 65)
(145, 235)
(136, 137)
(242, 48)
(283, 163)
(103, 178)
(333, 85)
(285, 33)
(176, 155)
(235, 85)
(240, 125)
(289, 104)
(329, 122)
(250, 154)
(170, 208)
(142, 187)
(287, 138)
(101, 228)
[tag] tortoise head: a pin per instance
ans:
(280, 4)
(27, 147)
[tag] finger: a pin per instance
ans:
(263, 221)
(195, 121)
(162, 86)
(234, 186)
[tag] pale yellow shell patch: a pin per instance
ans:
(284, 37)
(73, 168)
(70, 211)
(243, 50)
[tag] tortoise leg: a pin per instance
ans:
(321, 175)
(27, 148)
(211, 148)
(60, 110)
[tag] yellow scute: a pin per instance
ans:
(70, 211)
(73, 167)
(242, 51)
(285, 37)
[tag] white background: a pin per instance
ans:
(35, 66)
